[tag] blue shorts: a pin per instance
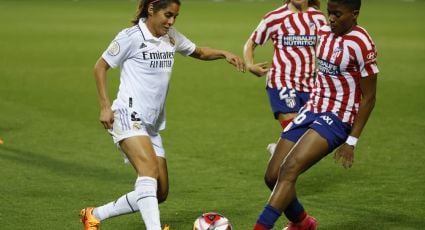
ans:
(328, 125)
(286, 100)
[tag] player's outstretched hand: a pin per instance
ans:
(236, 61)
(345, 153)
(259, 69)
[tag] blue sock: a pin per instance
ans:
(269, 216)
(295, 211)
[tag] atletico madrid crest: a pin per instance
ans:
(290, 102)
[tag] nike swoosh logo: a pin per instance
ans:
(316, 122)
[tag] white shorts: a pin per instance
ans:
(125, 127)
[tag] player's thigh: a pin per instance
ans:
(162, 179)
(310, 149)
(141, 154)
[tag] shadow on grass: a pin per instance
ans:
(60, 167)
(372, 218)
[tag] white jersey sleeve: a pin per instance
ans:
(119, 50)
(183, 45)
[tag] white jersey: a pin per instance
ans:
(146, 63)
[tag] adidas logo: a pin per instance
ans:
(143, 45)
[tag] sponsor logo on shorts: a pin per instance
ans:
(327, 119)
(316, 122)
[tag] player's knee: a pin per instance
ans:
(289, 170)
(270, 179)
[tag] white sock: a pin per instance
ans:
(123, 205)
(147, 201)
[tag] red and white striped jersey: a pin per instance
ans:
(342, 61)
(294, 36)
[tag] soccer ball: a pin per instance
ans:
(212, 221)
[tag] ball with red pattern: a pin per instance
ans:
(212, 221)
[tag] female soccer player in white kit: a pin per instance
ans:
(145, 54)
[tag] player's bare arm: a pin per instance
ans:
(258, 69)
(106, 115)
(345, 152)
(208, 54)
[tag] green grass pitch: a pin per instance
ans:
(57, 158)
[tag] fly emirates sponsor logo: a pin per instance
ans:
(159, 59)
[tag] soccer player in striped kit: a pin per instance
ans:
(145, 54)
(293, 30)
(342, 100)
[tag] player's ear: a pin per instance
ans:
(150, 9)
(356, 13)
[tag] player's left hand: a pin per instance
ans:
(345, 153)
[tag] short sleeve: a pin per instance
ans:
(183, 45)
(119, 50)
(370, 64)
(261, 33)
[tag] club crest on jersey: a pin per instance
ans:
(290, 102)
(114, 48)
(337, 52)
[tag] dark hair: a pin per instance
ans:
(353, 4)
(312, 3)
(142, 9)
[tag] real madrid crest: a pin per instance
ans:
(136, 126)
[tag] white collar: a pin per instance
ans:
(147, 35)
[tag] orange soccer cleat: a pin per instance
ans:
(88, 220)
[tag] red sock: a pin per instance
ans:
(302, 216)
(259, 227)
(284, 123)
